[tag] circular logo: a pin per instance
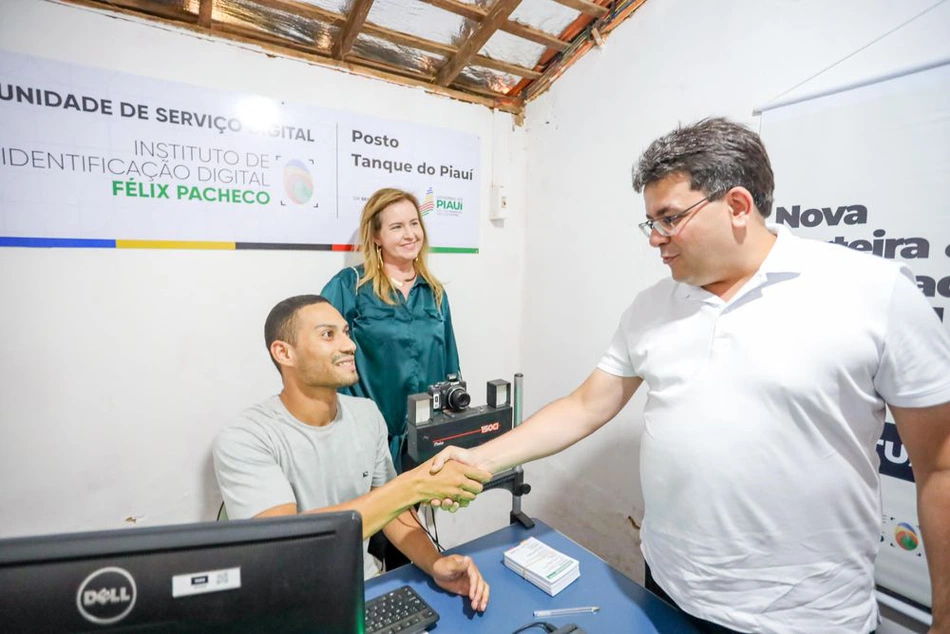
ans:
(106, 596)
(298, 182)
(906, 536)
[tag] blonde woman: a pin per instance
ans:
(397, 310)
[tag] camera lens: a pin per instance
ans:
(457, 398)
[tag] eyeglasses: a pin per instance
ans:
(667, 226)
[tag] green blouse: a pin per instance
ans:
(400, 350)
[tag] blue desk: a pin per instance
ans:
(624, 605)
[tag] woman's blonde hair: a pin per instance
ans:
(370, 224)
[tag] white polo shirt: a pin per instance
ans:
(758, 461)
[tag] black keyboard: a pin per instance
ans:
(401, 611)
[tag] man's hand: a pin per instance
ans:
(456, 483)
(460, 575)
(457, 454)
(463, 456)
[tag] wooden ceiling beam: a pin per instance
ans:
(390, 68)
(457, 7)
(523, 31)
(404, 39)
(462, 84)
(205, 9)
(146, 6)
(446, 50)
(499, 13)
(351, 28)
(263, 38)
(532, 34)
(504, 67)
(585, 6)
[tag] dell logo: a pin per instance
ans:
(106, 596)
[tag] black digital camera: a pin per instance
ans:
(449, 394)
(441, 416)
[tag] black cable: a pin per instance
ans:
(547, 627)
(435, 527)
(435, 540)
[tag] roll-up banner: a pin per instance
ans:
(867, 168)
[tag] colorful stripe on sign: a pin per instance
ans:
(63, 243)
(173, 244)
(82, 243)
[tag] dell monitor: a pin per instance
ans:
(289, 574)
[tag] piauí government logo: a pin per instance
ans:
(442, 205)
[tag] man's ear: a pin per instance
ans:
(741, 206)
(282, 352)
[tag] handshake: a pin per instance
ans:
(450, 480)
(452, 477)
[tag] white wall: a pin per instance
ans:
(673, 61)
(117, 367)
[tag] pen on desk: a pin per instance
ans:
(566, 611)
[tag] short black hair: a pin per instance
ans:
(281, 322)
(717, 154)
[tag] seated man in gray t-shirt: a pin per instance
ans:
(311, 450)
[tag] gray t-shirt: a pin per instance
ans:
(269, 458)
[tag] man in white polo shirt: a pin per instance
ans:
(758, 460)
